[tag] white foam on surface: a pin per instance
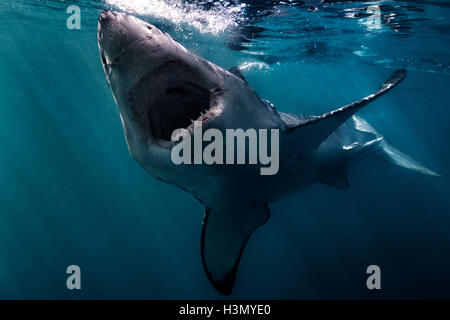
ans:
(217, 19)
(254, 65)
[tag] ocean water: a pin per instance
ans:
(71, 194)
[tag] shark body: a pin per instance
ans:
(160, 86)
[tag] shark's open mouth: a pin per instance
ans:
(170, 97)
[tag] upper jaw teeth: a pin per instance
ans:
(204, 116)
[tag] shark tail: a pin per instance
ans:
(378, 145)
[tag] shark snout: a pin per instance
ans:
(109, 20)
(106, 17)
(122, 24)
(116, 31)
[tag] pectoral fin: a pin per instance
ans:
(313, 132)
(224, 236)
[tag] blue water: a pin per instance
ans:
(71, 194)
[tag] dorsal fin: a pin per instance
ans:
(237, 72)
(311, 133)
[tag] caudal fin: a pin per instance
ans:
(381, 146)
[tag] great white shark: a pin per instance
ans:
(160, 86)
